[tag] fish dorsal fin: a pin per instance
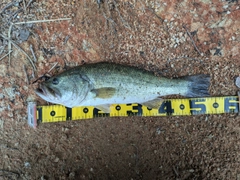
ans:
(104, 107)
(104, 93)
(155, 103)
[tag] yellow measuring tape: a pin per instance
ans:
(169, 107)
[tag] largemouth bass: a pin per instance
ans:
(103, 84)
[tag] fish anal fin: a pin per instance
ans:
(104, 107)
(154, 104)
(104, 93)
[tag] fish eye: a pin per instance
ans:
(46, 78)
(55, 81)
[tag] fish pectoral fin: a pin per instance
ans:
(154, 104)
(104, 93)
(105, 108)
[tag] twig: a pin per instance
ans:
(24, 6)
(161, 19)
(122, 19)
(183, 58)
(2, 49)
(33, 54)
(5, 55)
(5, 146)
(25, 71)
(8, 173)
(46, 75)
(239, 103)
(9, 43)
(15, 14)
(33, 75)
(29, 2)
(99, 2)
(175, 171)
(7, 6)
(40, 21)
(113, 24)
(14, 44)
(136, 160)
(109, 19)
(66, 39)
(192, 40)
(52, 67)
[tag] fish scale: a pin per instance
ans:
(103, 84)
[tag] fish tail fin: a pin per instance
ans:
(198, 85)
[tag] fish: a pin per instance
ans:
(102, 84)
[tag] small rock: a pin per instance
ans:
(43, 178)
(3, 70)
(24, 34)
(86, 45)
(10, 92)
(56, 160)
(238, 82)
(191, 170)
(27, 164)
(72, 175)
(238, 176)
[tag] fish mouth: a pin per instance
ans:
(46, 91)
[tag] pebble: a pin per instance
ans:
(3, 70)
(43, 178)
(238, 82)
(191, 170)
(72, 175)
(27, 164)
(158, 130)
(24, 34)
(56, 160)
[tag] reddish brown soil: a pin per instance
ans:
(148, 34)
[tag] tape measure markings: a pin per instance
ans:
(170, 107)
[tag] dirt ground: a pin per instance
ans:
(172, 38)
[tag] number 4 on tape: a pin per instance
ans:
(173, 107)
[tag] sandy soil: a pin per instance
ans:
(173, 39)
